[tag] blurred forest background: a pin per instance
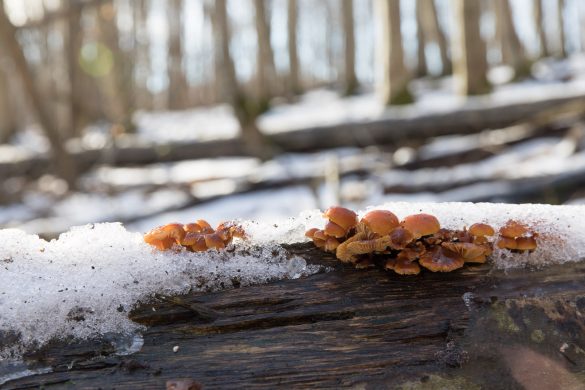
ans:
(149, 111)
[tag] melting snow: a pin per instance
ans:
(83, 284)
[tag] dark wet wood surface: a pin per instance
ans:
(348, 328)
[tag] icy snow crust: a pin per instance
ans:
(83, 284)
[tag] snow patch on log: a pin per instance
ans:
(83, 284)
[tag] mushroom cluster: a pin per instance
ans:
(196, 237)
(379, 237)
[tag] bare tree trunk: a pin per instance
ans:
(421, 63)
(7, 122)
(394, 87)
(118, 82)
(266, 76)
(74, 39)
(351, 82)
(512, 51)
(293, 58)
(561, 26)
(64, 164)
(177, 90)
(246, 109)
(539, 26)
(469, 54)
(142, 96)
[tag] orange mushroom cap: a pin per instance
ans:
(334, 230)
(381, 222)
(513, 229)
(481, 230)
(345, 218)
(163, 237)
(311, 232)
(320, 234)
(400, 238)
(506, 243)
(319, 243)
(213, 240)
(421, 224)
(199, 245)
(526, 243)
(405, 267)
(441, 260)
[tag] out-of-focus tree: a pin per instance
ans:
(421, 59)
(7, 119)
(562, 49)
(246, 108)
(64, 163)
(511, 48)
(294, 80)
(266, 70)
(430, 31)
(117, 73)
(539, 27)
(350, 79)
(142, 95)
(395, 78)
(469, 49)
(177, 92)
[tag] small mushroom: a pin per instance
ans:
(311, 232)
(481, 230)
(163, 237)
(470, 253)
(507, 243)
(381, 222)
(320, 235)
(343, 253)
(525, 243)
(334, 230)
(421, 225)
(213, 241)
(441, 260)
(405, 267)
(331, 244)
(343, 217)
(513, 229)
(400, 238)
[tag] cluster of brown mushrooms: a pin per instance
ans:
(417, 240)
(196, 237)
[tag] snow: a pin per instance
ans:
(83, 284)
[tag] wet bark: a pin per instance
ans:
(471, 328)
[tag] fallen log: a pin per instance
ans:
(387, 130)
(473, 328)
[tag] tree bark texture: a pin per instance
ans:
(473, 328)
